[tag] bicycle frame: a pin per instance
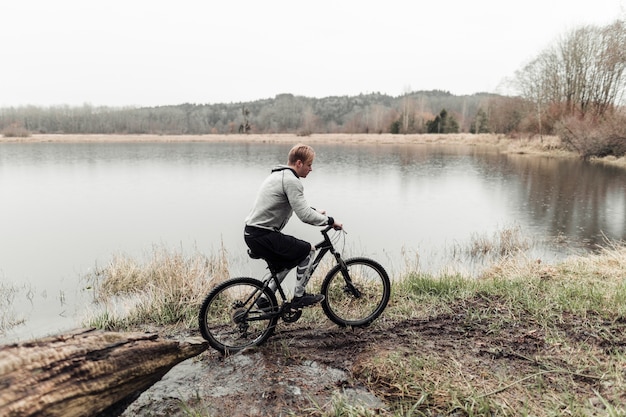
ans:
(244, 311)
(321, 249)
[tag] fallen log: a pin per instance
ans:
(86, 372)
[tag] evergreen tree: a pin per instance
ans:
(480, 123)
(443, 123)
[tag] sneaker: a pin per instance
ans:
(262, 303)
(306, 300)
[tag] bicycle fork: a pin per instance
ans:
(349, 288)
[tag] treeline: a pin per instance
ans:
(414, 112)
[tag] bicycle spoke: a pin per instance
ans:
(360, 300)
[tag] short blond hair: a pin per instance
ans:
(301, 152)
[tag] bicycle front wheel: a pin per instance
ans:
(229, 318)
(357, 295)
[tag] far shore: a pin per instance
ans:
(522, 145)
(536, 145)
(343, 138)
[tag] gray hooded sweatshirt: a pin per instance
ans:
(280, 195)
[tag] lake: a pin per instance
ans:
(67, 207)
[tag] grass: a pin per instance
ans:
(503, 243)
(165, 289)
(340, 406)
(523, 338)
(8, 318)
(538, 340)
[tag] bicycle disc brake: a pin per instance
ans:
(352, 290)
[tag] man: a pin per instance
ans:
(281, 195)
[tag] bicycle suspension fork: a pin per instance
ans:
(343, 267)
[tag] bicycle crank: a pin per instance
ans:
(291, 316)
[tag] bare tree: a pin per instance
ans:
(310, 121)
(577, 85)
(584, 73)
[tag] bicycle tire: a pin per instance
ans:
(341, 305)
(225, 321)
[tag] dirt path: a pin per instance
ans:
(303, 367)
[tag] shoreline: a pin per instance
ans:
(340, 138)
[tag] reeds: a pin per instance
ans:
(8, 318)
(502, 243)
(165, 290)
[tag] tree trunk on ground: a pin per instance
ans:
(85, 372)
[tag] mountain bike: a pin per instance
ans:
(243, 312)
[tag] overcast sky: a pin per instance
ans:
(153, 52)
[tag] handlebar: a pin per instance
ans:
(326, 229)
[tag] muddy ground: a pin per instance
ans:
(303, 366)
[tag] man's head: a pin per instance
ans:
(301, 159)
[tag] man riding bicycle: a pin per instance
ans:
(280, 195)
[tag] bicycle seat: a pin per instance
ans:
(270, 265)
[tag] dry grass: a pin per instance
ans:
(611, 160)
(503, 243)
(339, 138)
(165, 290)
(8, 317)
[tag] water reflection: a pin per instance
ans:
(576, 199)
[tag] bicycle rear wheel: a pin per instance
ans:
(358, 295)
(229, 318)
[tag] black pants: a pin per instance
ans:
(280, 250)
